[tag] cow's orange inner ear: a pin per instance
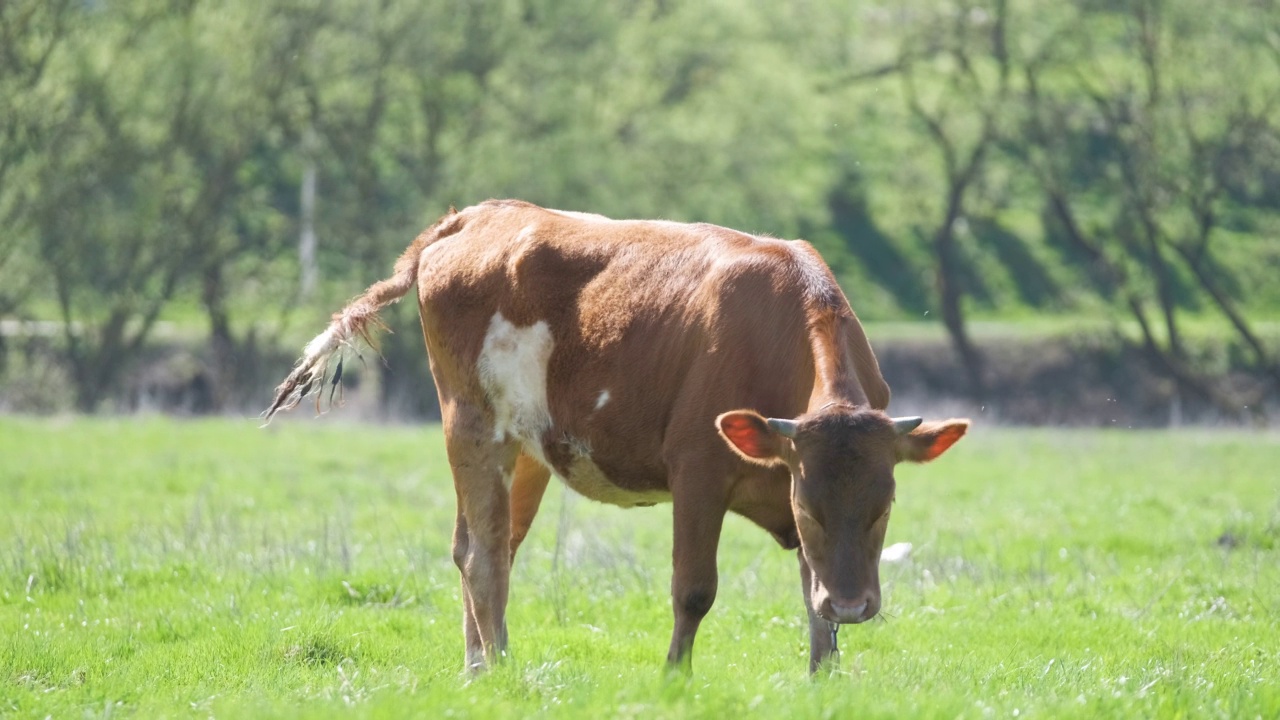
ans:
(943, 438)
(749, 434)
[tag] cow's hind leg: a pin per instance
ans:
(470, 631)
(528, 484)
(482, 468)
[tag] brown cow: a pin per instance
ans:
(610, 353)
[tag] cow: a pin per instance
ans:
(644, 362)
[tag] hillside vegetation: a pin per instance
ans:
(241, 167)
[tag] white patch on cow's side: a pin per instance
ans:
(604, 398)
(513, 372)
(896, 552)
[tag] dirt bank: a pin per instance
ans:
(1090, 380)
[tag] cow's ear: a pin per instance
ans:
(749, 434)
(930, 440)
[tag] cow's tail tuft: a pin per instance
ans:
(358, 321)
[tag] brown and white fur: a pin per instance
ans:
(645, 362)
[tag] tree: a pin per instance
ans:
(1141, 150)
(629, 110)
(141, 170)
(31, 34)
(973, 43)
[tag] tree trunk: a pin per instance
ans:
(222, 342)
(950, 294)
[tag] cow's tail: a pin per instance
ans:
(357, 321)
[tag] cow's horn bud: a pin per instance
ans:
(785, 428)
(904, 425)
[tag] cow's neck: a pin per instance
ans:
(835, 370)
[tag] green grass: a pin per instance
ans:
(156, 568)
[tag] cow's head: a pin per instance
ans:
(842, 489)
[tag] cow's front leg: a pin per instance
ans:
(699, 516)
(822, 633)
(481, 467)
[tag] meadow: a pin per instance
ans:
(162, 568)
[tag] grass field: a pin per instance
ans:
(156, 568)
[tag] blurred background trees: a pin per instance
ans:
(210, 179)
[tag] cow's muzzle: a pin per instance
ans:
(839, 610)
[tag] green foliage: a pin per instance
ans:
(154, 568)
(144, 179)
(944, 157)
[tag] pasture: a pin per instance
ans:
(157, 568)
